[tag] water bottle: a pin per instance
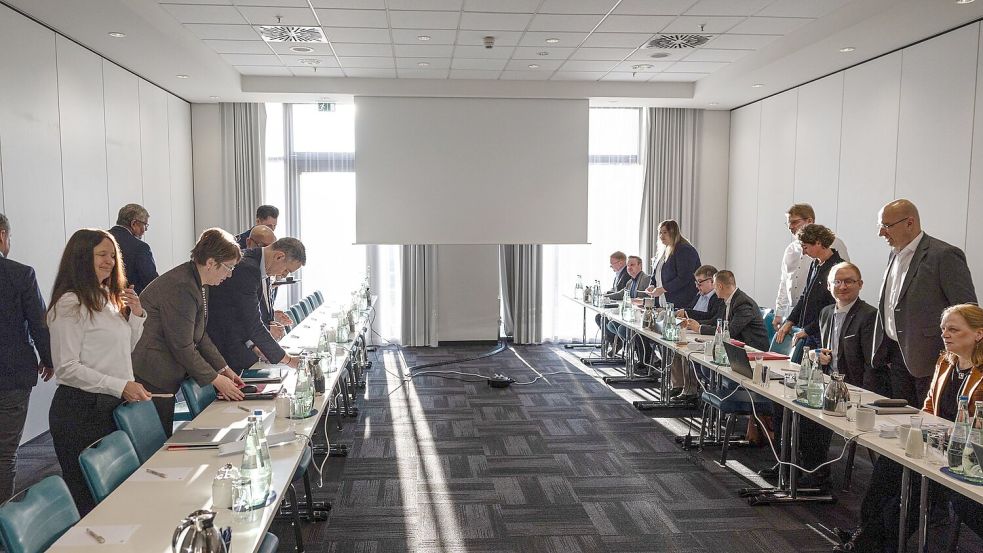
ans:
(304, 390)
(815, 388)
(578, 288)
(718, 344)
(598, 299)
(669, 330)
(256, 461)
(322, 340)
(626, 309)
(805, 373)
(970, 462)
(726, 334)
(959, 437)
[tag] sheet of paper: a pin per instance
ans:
(116, 534)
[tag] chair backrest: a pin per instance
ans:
(796, 355)
(198, 397)
(295, 314)
(34, 519)
(769, 316)
(106, 463)
(303, 308)
(309, 302)
(786, 346)
(319, 297)
(140, 421)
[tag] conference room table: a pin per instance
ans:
(140, 515)
(775, 390)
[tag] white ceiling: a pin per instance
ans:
(374, 46)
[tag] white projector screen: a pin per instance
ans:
(470, 171)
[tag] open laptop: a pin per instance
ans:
(205, 437)
(741, 364)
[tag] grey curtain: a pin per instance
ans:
(522, 291)
(670, 154)
(419, 324)
(243, 162)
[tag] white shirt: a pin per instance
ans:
(795, 273)
(657, 276)
(894, 279)
(703, 301)
(91, 350)
(839, 315)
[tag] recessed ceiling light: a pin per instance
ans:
(424, 38)
(533, 66)
(301, 49)
(542, 53)
(642, 66)
(182, 76)
(117, 34)
(965, 1)
(757, 85)
(552, 41)
(310, 61)
(847, 49)
(713, 103)
(659, 55)
(423, 64)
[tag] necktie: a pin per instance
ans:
(634, 284)
(835, 338)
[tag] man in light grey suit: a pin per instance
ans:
(923, 277)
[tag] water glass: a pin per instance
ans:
(242, 498)
(788, 392)
(851, 408)
(936, 447)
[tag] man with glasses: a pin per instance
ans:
(705, 310)
(132, 223)
(795, 263)
(924, 276)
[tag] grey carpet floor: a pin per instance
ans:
(445, 463)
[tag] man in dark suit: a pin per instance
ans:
(23, 338)
(619, 264)
(132, 223)
(924, 276)
(707, 307)
(740, 311)
(266, 215)
(235, 323)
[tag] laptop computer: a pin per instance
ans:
(741, 364)
(204, 437)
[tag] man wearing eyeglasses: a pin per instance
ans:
(924, 276)
(132, 223)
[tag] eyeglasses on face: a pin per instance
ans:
(227, 267)
(793, 222)
(885, 226)
(700, 281)
(145, 224)
(845, 282)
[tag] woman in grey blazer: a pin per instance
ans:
(174, 344)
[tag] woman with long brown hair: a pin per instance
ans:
(673, 268)
(95, 321)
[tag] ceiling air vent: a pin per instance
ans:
(290, 33)
(677, 41)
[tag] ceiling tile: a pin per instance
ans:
(437, 36)
(423, 20)
(414, 63)
(545, 66)
(802, 8)
(548, 22)
(342, 34)
(480, 52)
(584, 65)
(671, 55)
(709, 54)
(223, 32)
(711, 25)
(539, 39)
(505, 6)
(423, 50)
(527, 75)
(678, 77)
(728, 7)
(741, 42)
(629, 66)
(319, 48)
(226, 15)
(615, 54)
(352, 18)
(288, 16)
(367, 62)
(371, 73)
(648, 7)
(294, 61)
(696, 66)
(476, 38)
(628, 76)
(422, 73)
(436, 5)
(577, 75)
(351, 4)
(478, 64)
(473, 74)
(770, 25)
(317, 72)
(252, 59)
(263, 70)
(532, 53)
(238, 46)
(277, 3)
(634, 23)
(577, 6)
(617, 40)
(350, 49)
(223, 2)
(495, 21)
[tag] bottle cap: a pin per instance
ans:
(258, 412)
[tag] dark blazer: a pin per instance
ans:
(677, 275)
(641, 282)
(745, 322)
(22, 327)
(856, 340)
(815, 296)
(937, 278)
(236, 317)
(620, 280)
(174, 343)
(241, 238)
(715, 310)
(138, 260)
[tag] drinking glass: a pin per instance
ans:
(937, 445)
(242, 499)
(789, 391)
(851, 408)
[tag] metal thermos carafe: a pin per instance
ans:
(197, 534)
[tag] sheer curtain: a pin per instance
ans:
(614, 194)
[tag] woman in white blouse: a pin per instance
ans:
(95, 321)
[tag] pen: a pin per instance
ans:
(157, 473)
(97, 537)
(161, 395)
(241, 408)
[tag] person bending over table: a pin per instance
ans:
(174, 343)
(94, 320)
(740, 311)
(958, 372)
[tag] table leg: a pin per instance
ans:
(604, 359)
(903, 520)
(923, 516)
(583, 341)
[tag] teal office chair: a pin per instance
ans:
(319, 297)
(142, 425)
(785, 348)
(269, 544)
(198, 397)
(303, 308)
(106, 463)
(36, 517)
(309, 302)
(295, 315)
(769, 316)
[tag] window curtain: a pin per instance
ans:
(243, 162)
(522, 291)
(669, 180)
(419, 293)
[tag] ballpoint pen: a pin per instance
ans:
(156, 473)
(97, 537)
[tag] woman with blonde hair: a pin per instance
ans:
(673, 268)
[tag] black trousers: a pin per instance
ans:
(164, 405)
(902, 384)
(814, 441)
(78, 419)
(13, 414)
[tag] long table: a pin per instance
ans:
(148, 508)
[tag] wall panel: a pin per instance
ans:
(182, 193)
(83, 137)
(123, 163)
(156, 173)
(742, 207)
(469, 312)
(974, 230)
(817, 147)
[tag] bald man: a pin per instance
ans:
(260, 236)
(924, 276)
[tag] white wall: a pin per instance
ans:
(468, 296)
(206, 124)
(77, 138)
(901, 125)
(711, 201)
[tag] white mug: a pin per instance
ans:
(915, 445)
(865, 419)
